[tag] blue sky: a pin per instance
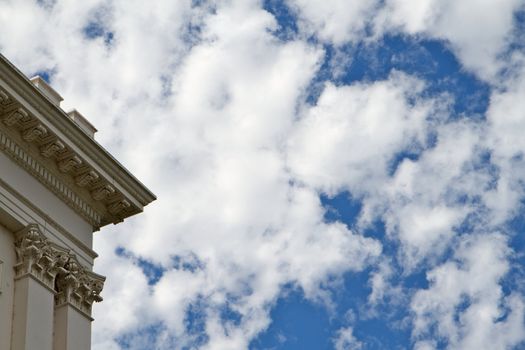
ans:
(331, 174)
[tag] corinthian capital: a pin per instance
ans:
(57, 268)
(29, 245)
(35, 255)
(77, 286)
(90, 288)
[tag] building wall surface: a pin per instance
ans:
(7, 256)
(57, 186)
(34, 203)
(29, 319)
(42, 198)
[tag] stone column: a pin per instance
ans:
(53, 295)
(35, 273)
(77, 289)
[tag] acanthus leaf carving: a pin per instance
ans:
(35, 255)
(94, 294)
(67, 282)
(90, 287)
(77, 286)
(29, 246)
(57, 268)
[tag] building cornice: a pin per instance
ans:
(62, 156)
(47, 178)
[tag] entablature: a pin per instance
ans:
(39, 136)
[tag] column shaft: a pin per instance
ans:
(72, 329)
(32, 315)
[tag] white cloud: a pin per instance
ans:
(349, 138)
(218, 145)
(505, 119)
(424, 345)
(476, 31)
(206, 106)
(336, 21)
(346, 341)
(383, 288)
(423, 199)
(465, 301)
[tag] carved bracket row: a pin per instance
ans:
(57, 268)
(68, 162)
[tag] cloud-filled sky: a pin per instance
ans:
(331, 174)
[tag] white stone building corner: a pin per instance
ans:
(57, 186)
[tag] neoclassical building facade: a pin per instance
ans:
(57, 187)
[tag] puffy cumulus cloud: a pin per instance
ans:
(126, 287)
(348, 140)
(346, 341)
(380, 284)
(465, 303)
(427, 199)
(365, 128)
(425, 345)
(26, 20)
(334, 21)
(477, 31)
(212, 96)
(227, 197)
(120, 54)
(207, 106)
(244, 268)
(467, 183)
(505, 118)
